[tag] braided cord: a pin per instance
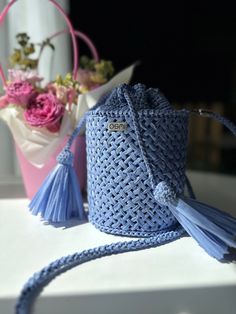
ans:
(134, 116)
(75, 133)
(77, 130)
(216, 116)
(40, 279)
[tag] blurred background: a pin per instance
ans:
(188, 51)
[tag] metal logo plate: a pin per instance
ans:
(117, 126)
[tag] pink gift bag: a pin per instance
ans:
(33, 177)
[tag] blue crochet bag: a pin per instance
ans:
(134, 141)
(136, 157)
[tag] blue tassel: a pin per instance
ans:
(59, 198)
(214, 230)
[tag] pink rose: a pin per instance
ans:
(20, 92)
(45, 110)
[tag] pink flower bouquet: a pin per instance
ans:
(40, 116)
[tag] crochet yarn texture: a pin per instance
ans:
(120, 183)
(136, 179)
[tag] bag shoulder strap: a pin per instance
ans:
(39, 280)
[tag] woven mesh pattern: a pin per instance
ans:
(119, 191)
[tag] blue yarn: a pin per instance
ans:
(216, 116)
(135, 184)
(214, 230)
(59, 198)
(210, 227)
(40, 279)
(163, 194)
(120, 164)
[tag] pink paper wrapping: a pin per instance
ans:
(33, 177)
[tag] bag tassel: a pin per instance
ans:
(214, 230)
(59, 198)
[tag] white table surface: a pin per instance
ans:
(178, 278)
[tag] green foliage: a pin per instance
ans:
(87, 63)
(67, 82)
(22, 56)
(103, 70)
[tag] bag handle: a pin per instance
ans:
(34, 286)
(71, 29)
(85, 38)
(216, 116)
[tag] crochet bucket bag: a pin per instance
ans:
(136, 157)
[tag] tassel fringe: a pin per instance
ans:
(59, 198)
(214, 230)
